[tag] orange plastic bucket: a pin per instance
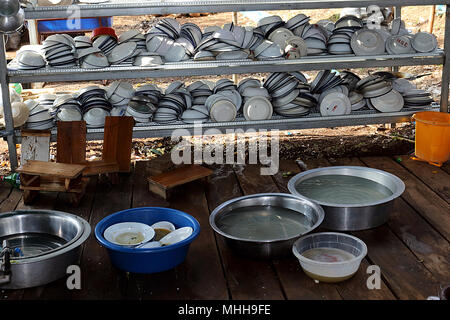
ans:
(432, 137)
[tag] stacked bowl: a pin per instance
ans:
(66, 108)
(60, 51)
(140, 108)
(39, 118)
(105, 39)
(29, 60)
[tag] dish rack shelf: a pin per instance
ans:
(191, 68)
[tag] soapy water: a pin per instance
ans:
(341, 189)
(264, 223)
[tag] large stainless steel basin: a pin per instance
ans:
(351, 201)
(38, 246)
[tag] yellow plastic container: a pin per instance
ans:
(432, 137)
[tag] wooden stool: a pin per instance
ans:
(161, 184)
(38, 176)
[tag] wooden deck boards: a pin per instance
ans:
(412, 249)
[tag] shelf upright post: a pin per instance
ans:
(7, 113)
(446, 67)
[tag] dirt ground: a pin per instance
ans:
(300, 144)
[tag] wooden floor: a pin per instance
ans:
(412, 249)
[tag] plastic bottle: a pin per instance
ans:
(12, 179)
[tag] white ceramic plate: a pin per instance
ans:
(335, 104)
(127, 233)
(257, 108)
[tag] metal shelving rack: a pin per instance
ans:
(132, 7)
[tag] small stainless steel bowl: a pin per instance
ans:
(10, 24)
(352, 217)
(267, 249)
(42, 262)
(9, 7)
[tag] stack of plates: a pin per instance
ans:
(325, 80)
(424, 42)
(46, 100)
(349, 79)
(39, 118)
(105, 42)
(133, 36)
(82, 42)
(170, 108)
(222, 108)
(280, 37)
(200, 91)
(93, 97)
(248, 82)
(268, 50)
(366, 42)
(92, 58)
(95, 117)
(196, 114)
(193, 34)
(120, 93)
(397, 27)
(357, 100)
(335, 104)
(295, 48)
(399, 44)
(30, 60)
(316, 39)
(166, 47)
(373, 86)
(389, 102)
(417, 98)
(269, 24)
(60, 51)
(340, 89)
(297, 23)
(140, 108)
(403, 85)
(66, 108)
(147, 59)
(340, 39)
(151, 91)
(123, 54)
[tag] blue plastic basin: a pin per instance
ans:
(149, 260)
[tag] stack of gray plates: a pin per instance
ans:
(357, 100)
(340, 40)
(60, 51)
(92, 58)
(315, 37)
(105, 42)
(325, 79)
(46, 100)
(373, 86)
(151, 91)
(82, 42)
(123, 54)
(66, 108)
(170, 108)
(93, 97)
(119, 93)
(30, 60)
(417, 98)
(140, 108)
(39, 118)
(134, 36)
(269, 24)
(200, 91)
(297, 23)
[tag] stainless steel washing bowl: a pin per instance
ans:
(353, 198)
(265, 225)
(38, 246)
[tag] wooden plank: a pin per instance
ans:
(102, 280)
(427, 245)
(434, 177)
(423, 199)
(71, 142)
(243, 281)
(117, 141)
(405, 275)
(43, 168)
(99, 167)
(58, 186)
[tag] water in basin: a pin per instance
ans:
(264, 223)
(342, 189)
(32, 244)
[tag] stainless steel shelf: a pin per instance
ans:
(366, 117)
(191, 68)
(133, 7)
